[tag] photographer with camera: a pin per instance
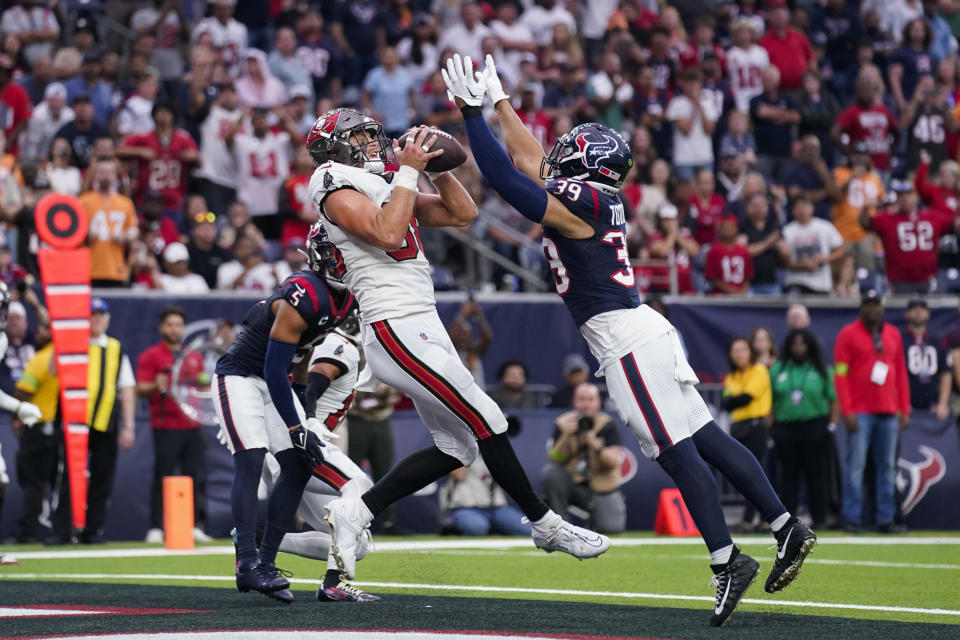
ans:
(584, 468)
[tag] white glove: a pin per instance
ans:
(493, 85)
(462, 82)
(29, 413)
(316, 425)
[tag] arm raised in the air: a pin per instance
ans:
(384, 227)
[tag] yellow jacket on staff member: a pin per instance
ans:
(755, 382)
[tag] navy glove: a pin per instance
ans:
(308, 443)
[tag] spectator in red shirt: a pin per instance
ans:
(789, 49)
(177, 440)
(729, 265)
(706, 207)
(156, 229)
(874, 394)
(296, 207)
(164, 157)
(14, 105)
(910, 238)
(867, 121)
(945, 193)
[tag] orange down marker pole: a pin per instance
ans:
(178, 512)
(65, 272)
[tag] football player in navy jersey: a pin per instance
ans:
(572, 192)
(260, 412)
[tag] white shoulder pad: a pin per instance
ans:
(337, 348)
(333, 175)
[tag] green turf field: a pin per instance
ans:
(907, 579)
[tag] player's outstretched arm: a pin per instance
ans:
(385, 227)
(522, 146)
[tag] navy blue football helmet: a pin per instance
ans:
(323, 258)
(591, 152)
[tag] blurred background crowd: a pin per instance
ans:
(804, 146)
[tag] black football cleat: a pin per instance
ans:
(732, 581)
(795, 541)
(265, 579)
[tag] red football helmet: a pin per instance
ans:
(344, 136)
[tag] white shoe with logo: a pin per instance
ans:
(552, 533)
(347, 538)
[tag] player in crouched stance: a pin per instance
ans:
(573, 193)
(335, 367)
(259, 412)
(373, 221)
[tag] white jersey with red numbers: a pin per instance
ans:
(262, 166)
(230, 40)
(745, 68)
(334, 403)
(387, 284)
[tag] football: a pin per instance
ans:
(453, 154)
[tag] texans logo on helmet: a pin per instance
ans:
(916, 478)
(595, 147)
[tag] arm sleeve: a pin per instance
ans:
(520, 192)
(317, 383)
(841, 358)
(279, 356)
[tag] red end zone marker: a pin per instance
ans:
(65, 272)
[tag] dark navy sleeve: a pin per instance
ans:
(578, 197)
(305, 293)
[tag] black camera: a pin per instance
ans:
(584, 424)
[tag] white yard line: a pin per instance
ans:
(481, 544)
(489, 589)
(851, 563)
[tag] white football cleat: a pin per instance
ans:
(347, 524)
(553, 533)
(154, 536)
(200, 536)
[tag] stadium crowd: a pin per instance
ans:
(805, 147)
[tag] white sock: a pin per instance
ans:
(546, 519)
(780, 521)
(308, 544)
(721, 556)
(365, 513)
(331, 563)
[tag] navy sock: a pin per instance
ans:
(282, 504)
(699, 490)
(740, 467)
(506, 470)
(331, 579)
(411, 474)
(247, 466)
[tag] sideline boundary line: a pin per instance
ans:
(507, 543)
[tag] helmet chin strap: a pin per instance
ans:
(374, 166)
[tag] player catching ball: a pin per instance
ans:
(572, 192)
(373, 219)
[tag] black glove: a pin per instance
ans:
(309, 444)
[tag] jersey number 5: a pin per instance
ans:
(411, 244)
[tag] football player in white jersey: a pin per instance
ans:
(746, 61)
(372, 220)
(27, 412)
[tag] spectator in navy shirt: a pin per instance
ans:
(358, 29)
(840, 23)
(810, 177)
(650, 108)
(774, 115)
(911, 61)
(930, 377)
(82, 131)
(760, 233)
